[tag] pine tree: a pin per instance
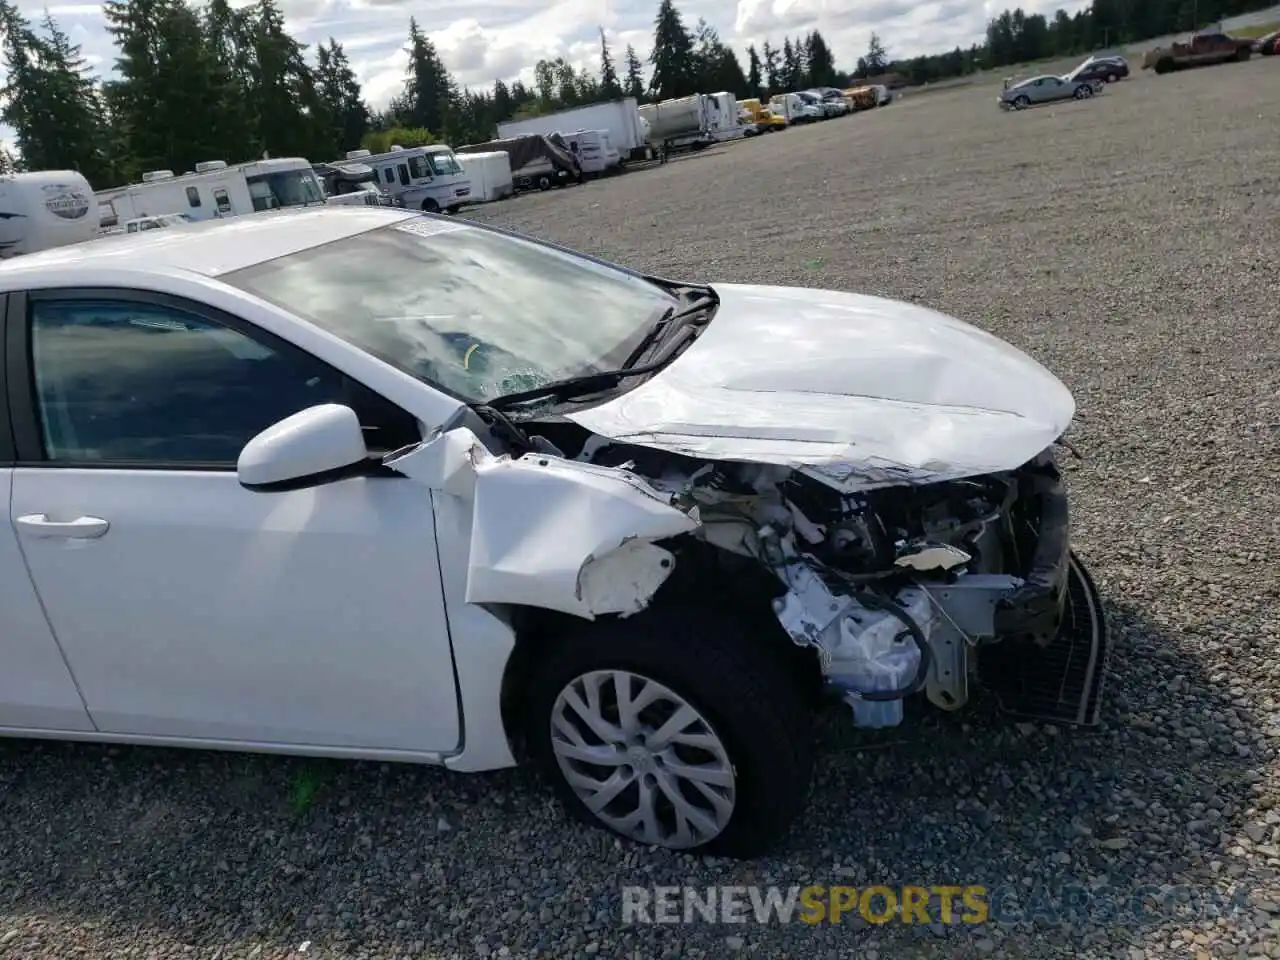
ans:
(230, 45)
(674, 69)
(291, 119)
(819, 62)
(429, 89)
(876, 59)
(754, 78)
(50, 100)
(166, 89)
(772, 68)
(340, 94)
(610, 88)
(716, 65)
(635, 75)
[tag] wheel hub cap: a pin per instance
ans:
(642, 759)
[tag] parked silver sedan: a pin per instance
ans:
(1045, 89)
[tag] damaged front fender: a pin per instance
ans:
(553, 533)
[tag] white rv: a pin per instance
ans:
(214, 190)
(421, 178)
(43, 209)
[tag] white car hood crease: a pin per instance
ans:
(856, 391)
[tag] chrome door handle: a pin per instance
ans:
(81, 528)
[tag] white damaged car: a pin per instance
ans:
(367, 483)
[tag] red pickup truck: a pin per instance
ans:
(1203, 49)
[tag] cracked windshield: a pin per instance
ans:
(476, 312)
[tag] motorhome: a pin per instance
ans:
(214, 190)
(43, 209)
(422, 178)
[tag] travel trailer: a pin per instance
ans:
(421, 178)
(43, 209)
(214, 190)
(490, 175)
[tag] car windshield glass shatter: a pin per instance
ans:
(475, 311)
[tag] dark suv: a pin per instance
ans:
(1105, 69)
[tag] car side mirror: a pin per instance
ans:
(315, 445)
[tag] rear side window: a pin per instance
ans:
(120, 381)
(193, 196)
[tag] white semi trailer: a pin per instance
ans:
(620, 119)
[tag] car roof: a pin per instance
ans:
(210, 247)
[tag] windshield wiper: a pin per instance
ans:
(694, 305)
(672, 330)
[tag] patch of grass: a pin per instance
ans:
(1252, 33)
(302, 791)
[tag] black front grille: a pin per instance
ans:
(1062, 682)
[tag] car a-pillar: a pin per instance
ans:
(687, 725)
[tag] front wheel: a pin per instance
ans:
(544, 182)
(430, 206)
(1243, 54)
(1084, 92)
(1021, 103)
(675, 728)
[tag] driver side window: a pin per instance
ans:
(140, 383)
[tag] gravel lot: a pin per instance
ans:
(1130, 243)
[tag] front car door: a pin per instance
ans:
(186, 605)
(36, 689)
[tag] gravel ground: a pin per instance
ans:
(1129, 243)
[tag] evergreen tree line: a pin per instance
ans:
(230, 83)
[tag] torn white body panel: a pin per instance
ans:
(856, 391)
(550, 532)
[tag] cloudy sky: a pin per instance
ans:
(484, 40)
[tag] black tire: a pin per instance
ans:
(1084, 92)
(1164, 65)
(1243, 54)
(454, 209)
(1021, 102)
(743, 686)
(544, 182)
(430, 206)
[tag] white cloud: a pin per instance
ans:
(484, 40)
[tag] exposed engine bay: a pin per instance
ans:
(895, 588)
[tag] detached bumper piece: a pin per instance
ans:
(1052, 662)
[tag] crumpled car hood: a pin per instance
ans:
(856, 391)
